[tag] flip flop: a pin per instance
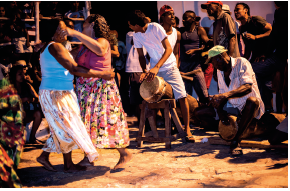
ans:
(236, 152)
(190, 139)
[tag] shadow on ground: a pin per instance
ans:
(38, 176)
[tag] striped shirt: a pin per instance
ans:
(242, 73)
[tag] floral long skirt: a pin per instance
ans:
(67, 131)
(102, 112)
(12, 135)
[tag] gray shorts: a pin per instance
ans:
(172, 76)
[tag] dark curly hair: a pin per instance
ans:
(101, 27)
(47, 29)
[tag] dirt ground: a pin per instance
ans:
(185, 165)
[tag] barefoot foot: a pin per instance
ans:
(86, 162)
(74, 168)
(46, 164)
(125, 157)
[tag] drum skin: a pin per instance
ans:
(155, 90)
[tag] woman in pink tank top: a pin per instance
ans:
(99, 100)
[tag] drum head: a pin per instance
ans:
(152, 91)
(228, 132)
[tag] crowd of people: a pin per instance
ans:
(100, 76)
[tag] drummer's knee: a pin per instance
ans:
(252, 102)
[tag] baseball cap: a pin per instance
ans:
(204, 6)
(164, 9)
(226, 7)
(214, 51)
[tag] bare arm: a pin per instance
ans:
(115, 51)
(168, 50)
(232, 44)
(176, 48)
(219, 100)
(142, 59)
(99, 46)
(58, 51)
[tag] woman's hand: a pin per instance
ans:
(66, 32)
(108, 74)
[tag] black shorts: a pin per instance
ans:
(135, 97)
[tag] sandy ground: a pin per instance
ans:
(185, 165)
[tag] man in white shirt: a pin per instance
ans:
(238, 93)
(168, 20)
(162, 60)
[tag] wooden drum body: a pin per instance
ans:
(155, 90)
(257, 127)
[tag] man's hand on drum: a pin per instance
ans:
(223, 116)
(143, 76)
(152, 73)
(218, 100)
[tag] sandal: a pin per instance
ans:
(236, 152)
(190, 139)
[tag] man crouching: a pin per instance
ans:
(238, 94)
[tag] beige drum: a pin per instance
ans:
(155, 90)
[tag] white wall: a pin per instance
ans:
(265, 9)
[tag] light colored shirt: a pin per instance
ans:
(172, 38)
(242, 73)
(151, 40)
(132, 62)
(54, 75)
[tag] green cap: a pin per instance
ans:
(214, 51)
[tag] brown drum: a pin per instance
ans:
(192, 103)
(264, 125)
(155, 90)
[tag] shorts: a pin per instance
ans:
(20, 45)
(135, 97)
(172, 76)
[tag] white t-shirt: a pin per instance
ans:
(151, 40)
(172, 38)
(132, 62)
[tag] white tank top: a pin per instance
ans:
(172, 38)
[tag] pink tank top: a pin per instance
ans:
(90, 60)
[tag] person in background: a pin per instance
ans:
(176, 23)
(20, 38)
(28, 10)
(224, 27)
(255, 31)
(2, 11)
(226, 9)
(75, 13)
(29, 100)
(11, 9)
(52, 9)
(12, 138)
(192, 43)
